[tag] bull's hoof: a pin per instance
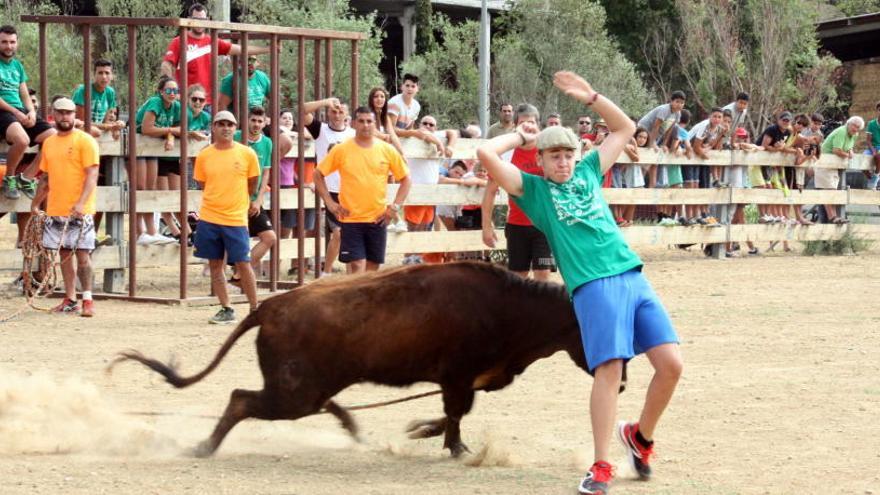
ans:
(426, 428)
(458, 449)
(203, 450)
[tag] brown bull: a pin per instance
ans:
(464, 326)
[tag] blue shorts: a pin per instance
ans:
(212, 241)
(620, 317)
(363, 241)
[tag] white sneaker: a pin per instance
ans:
(145, 239)
(162, 239)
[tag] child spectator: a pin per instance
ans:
(632, 173)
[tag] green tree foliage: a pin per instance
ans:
(424, 28)
(63, 44)
(152, 42)
(448, 74)
(537, 45)
(328, 14)
(767, 48)
(857, 7)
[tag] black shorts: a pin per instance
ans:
(470, 220)
(7, 119)
(363, 241)
(332, 223)
(168, 166)
(259, 223)
(690, 173)
(527, 248)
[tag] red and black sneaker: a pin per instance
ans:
(66, 307)
(639, 456)
(597, 479)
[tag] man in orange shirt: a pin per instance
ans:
(363, 164)
(69, 163)
(227, 173)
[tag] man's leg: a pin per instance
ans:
(248, 282)
(266, 239)
(68, 273)
(18, 141)
(603, 406)
(84, 270)
(667, 363)
(372, 266)
(218, 280)
(541, 275)
(358, 266)
(332, 249)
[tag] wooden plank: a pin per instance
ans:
(444, 194)
(664, 236)
(775, 196)
(864, 197)
(440, 242)
(103, 258)
(666, 196)
(108, 198)
(740, 158)
(818, 232)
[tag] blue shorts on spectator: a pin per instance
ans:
(213, 241)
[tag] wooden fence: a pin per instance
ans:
(115, 199)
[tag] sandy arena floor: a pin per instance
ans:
(779, 396)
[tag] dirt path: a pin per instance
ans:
(780, 395)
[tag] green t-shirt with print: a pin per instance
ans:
(12, 74)
(838, 138)
(578, 224)
(200, 123)
(258, 88)
(101, 101)
(874, 130)
(263, 148)
(165, 117)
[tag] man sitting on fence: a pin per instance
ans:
(840, 142)
(363, 164)
(227, 172)
(19, 124)
(69, 162)
(420, 218)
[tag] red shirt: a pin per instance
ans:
(198, 56)
(527, 161)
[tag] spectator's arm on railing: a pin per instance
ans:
(506, 174)
(487, 207)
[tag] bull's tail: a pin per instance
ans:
(169, 370)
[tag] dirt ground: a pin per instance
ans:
(780, 395)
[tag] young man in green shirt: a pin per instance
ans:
(19, 124)
(873, 142)
(618, 312)
(103, 99)
(259, 225)
(259, 86)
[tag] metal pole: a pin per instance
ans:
(328, 90)
(275, 182)
(87, 77)
(485, 29)
(354, 75)
(132, 163)
(300, 159)
(243, 88)
(182, 165)
(44, 78)
(215, 89)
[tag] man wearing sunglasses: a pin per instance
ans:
(198, 53)
(259, 86)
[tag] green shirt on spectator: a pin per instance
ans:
(258, 87)
(840, 139)
(874, 130)
(578, 224)
(12, 74)
(263, 148)
(101, 101)
(165, 117)
(200, 123)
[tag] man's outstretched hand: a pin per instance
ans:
(573, 86)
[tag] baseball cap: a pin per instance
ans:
(741, 132)
(600, 123)
(785, 115)
(225, 115)
(64, 104)
(556, 137)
